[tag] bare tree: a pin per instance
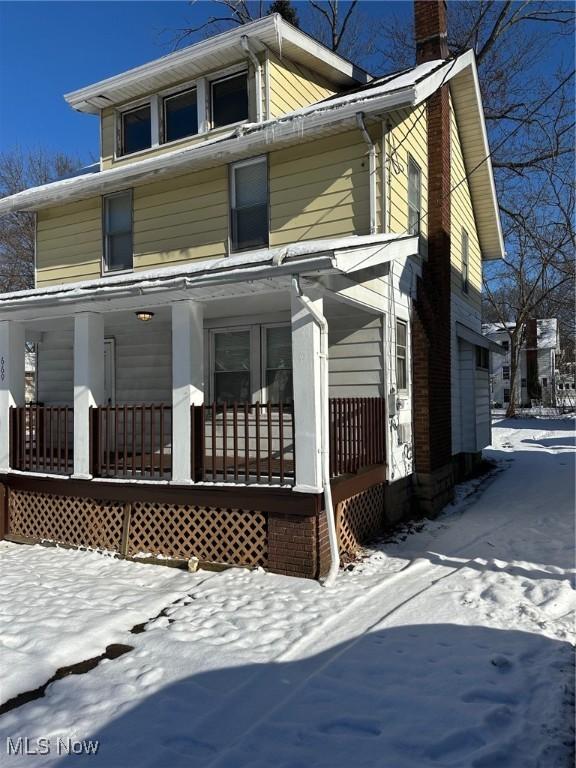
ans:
(341, 26)
(18, 171)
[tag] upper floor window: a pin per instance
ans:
(401, 344)
(505, 345)
(249, 204)
(180, 115)
(229, 100)
(135, 130)
(414, 195)
(117, 215)
(465, 261)
(506, 372)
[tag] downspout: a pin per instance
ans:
(371, 168)
(322, 323)
(245, 43)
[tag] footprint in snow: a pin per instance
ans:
(350, 726)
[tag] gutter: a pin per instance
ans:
(245, 43)
(360, 121)
(322, 323)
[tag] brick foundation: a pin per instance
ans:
(298, 545)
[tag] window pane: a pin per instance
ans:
(136, 130)
(250, 227)
(180, 116)
(230, 100)
(232, 351)
(401, 334)
(251, 184)
(279, 347)
(414, 185)
(119, 252)
(279, 386)
(231, 387)
(119, 213)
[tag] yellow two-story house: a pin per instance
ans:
(257, 320)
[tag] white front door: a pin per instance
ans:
(109, 372)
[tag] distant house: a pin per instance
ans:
(259, 316)
(536, 378)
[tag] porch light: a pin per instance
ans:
(145, 316)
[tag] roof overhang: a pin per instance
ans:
(247, 273)
(217, 52)
(473, 337)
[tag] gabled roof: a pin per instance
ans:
(546, 331)
(217, 52)
(407, 88)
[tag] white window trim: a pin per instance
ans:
(169, 94)
(119, 128)
(218, 78)
(232, 198)
(402, 391)
(104, 271)
(419, 210)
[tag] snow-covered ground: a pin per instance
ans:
(449, 646)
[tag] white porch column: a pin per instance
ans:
(12, 354)
(187, 382)
(88, 384)
(307, 400)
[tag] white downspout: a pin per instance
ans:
(245, 43)
(372, 169)
(322, 323)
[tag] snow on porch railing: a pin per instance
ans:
(132, 441)
(41, 439)
(357, 433)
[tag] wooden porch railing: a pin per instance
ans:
(42, 438)
(357, 433)
(243, 442)
(132, 441)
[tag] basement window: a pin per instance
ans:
(117, 215)
(414, 197)
(180, 115)
(229, 98)
(249, 204)
(136, 130)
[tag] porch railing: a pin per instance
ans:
(243, 442)
(357, 433)
(42, 439)
(132, 441)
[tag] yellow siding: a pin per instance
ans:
(319, 189)
(463, 218)
(407, 137)
(68, 242)
(293, 86)
(182, 219)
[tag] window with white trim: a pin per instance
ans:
(229, 100)
(401, 347)
(231, 363)
(278, 363)
(179, 115)
(465, 261)
(117, 226)
(414, 196)
(249, 204)
(136, 129)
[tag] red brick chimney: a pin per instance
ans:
(431, 342)
(430, 30)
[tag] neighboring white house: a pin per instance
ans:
(536, 379)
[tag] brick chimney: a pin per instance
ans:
(431, 340)
(430, 30)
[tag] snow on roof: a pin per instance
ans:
(490, 328)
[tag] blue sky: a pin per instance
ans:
(50, 48)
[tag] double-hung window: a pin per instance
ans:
(278, 363)
(401, 365)
(117, 225)
(180, 115)
(229, 97)
(465, 261)
(249, 204)
(414, 197)
(135, 130)
(506, 372)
